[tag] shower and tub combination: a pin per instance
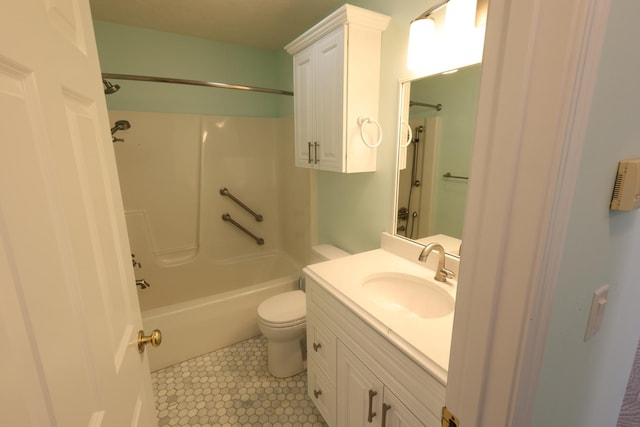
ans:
(204, 261)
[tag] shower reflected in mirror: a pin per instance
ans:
(435, 153)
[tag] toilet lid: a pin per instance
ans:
(287, 307)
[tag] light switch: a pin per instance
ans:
(597, 311)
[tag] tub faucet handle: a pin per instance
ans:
(142, 284)
(134, 262)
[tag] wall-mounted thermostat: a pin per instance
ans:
(626, 191)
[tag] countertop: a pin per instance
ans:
(427, 341)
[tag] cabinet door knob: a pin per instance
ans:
(316, 346)
(372, 414)
(317, 393)
(385, 408)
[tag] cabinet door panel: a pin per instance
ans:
(398, 415)
(355, 382)
(304, 106)
(331, 100)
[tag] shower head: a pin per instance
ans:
(120, 125)
(110, 88)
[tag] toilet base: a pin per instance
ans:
(285, 358)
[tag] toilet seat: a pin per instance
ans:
(284, 310)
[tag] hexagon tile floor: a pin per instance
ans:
(232, 387)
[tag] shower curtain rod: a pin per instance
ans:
(194, 83)
(422, 104)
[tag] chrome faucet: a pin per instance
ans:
(441, 272)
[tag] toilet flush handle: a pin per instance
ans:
(316, 346)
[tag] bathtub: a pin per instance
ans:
(205, 305)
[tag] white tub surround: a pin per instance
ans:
(357, 344)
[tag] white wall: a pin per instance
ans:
(582, 384)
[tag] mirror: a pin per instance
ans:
(438, 120)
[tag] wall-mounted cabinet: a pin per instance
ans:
(336, 68)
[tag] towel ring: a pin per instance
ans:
(362, 121)
(410, 138)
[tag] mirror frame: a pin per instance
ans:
(404, 99)
(449, 54)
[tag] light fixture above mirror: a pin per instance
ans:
(447, 35)
(421, 33)
(431, 180)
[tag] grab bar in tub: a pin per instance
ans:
(225, 192)
(227, 218)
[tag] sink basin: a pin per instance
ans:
(410, 294)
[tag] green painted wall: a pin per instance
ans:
(131, 50)
(458, 93)
(354, 209)
(582, 384)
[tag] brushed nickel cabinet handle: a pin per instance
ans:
(385, 408)
(316, 346)
(372, 414)
(315, 152)
(317, 393)
(309, 143)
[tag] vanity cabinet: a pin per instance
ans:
(365, 400)
(336, 78)
(356, 377)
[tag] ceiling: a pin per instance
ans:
(268, 24)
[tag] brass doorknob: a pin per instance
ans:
(155, 339)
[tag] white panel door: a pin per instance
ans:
(69, 313)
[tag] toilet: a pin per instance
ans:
(282, 319)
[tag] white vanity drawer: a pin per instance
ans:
(321, 345)
(322, 392)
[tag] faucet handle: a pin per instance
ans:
(448, 273)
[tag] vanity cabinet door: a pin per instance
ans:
(360, 391)
(363, 400)
(322, 391)
(395, 414)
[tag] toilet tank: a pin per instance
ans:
(320, 253)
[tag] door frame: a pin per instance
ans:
(531, 125)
